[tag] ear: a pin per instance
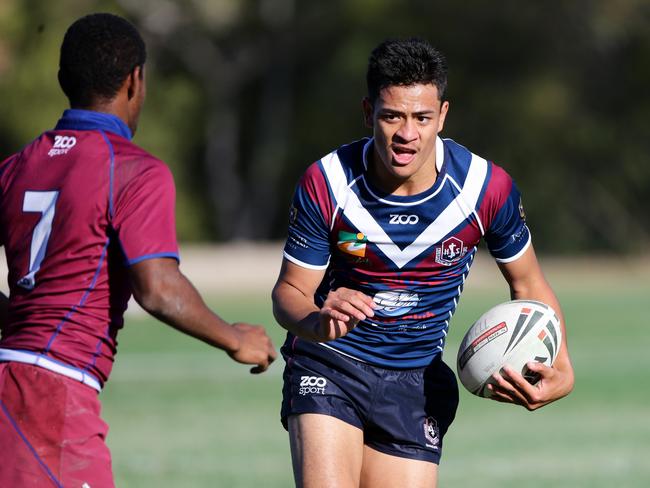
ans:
(134, 82)
(368, 112)
(444, 108)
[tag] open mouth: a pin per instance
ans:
(403, 155)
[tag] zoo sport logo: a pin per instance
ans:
(62, 144)
(310, 385)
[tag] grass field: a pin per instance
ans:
(184, 415)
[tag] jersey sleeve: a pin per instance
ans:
(507, 235)
(307, 242)
(144, 211)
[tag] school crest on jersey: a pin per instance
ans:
(450, 251)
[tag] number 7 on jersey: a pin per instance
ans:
(43, 202)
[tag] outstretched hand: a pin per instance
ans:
(509, 386)
(341, 312)
(255, 347)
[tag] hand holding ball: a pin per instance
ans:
(512, 333)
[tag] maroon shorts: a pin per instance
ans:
(51, 433)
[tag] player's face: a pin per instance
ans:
(406, 121)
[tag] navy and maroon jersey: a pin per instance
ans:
(411, 254)
(78, 206)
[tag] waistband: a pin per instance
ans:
(300, 346)
(30, 357)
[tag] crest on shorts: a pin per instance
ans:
(432, 432)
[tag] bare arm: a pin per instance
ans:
(163, 291)
(526, 281)
(295, 310)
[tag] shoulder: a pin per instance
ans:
(127, 150)
(460, 163)
(340, 166)
(499, 182)
(137, 175)
(132, 161)
(457, 155)
(352, 156)
(7, 162)
(11, 165)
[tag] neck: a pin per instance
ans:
(115, 106)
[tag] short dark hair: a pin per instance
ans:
(97, 54)
(405, 62)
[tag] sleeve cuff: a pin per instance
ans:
(302, 264)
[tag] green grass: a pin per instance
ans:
(182, 414)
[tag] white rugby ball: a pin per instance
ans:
(512, 333)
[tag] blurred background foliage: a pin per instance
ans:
(244, 94)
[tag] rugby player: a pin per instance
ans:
(382, 234)
(87, 219)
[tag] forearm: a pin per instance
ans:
(295, 311)
(537, 288)
(178, 304)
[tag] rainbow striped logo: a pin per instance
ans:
(352, 243)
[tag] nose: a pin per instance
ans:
(407, 130)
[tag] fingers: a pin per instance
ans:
(342, 311)
(263, 364)
(340, 316)
(502, 391)
(344, 304)
(256, 347)
(539, 368)
(258, 369)
(510, 386)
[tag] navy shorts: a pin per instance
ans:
(402, 413)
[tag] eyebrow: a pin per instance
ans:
(399, 112)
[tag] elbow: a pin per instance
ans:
(153, 300)
(284, 302)
(276, 291)
(276, 300)
(158, 286)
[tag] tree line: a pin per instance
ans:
(244, 94)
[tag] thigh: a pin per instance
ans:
(30, 433)
(325, 451)
(382, 470)
(50, 430)
(85, 458)
(412, 413)
(320, 381)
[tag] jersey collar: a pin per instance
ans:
(78, 119)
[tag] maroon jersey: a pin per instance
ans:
(78, 206)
